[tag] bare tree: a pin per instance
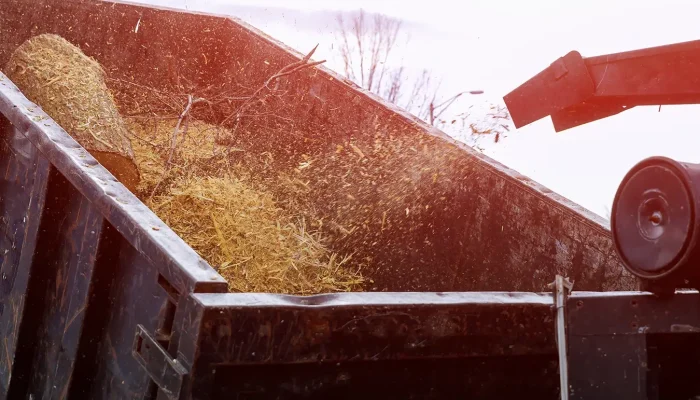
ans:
(365, 45)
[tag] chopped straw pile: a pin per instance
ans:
(228, 218)
(234, 223)
(243, 232)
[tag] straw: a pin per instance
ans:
(70, 87)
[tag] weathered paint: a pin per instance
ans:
(22, 196)
(422, 345)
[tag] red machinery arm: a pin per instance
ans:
(575, 90)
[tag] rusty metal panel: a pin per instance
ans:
(633, 345)
(369, 345)
(137, 295)
(59, 295)
(24, 176)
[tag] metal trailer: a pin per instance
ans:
(99, 299)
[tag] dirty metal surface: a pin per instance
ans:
(633, 345)
(374, 345)
(58, 294)
(492, 228)
(77, 344)
(137, 295)
(24, 176)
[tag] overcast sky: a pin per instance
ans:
(495, 45)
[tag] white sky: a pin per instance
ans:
(495, 45)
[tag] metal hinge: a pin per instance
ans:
(561, 288)
(167, 373)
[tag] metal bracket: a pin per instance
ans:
(561, 288)
(575, 90)
(165, 371)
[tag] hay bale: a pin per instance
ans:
(71, 88)
(253, 244)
